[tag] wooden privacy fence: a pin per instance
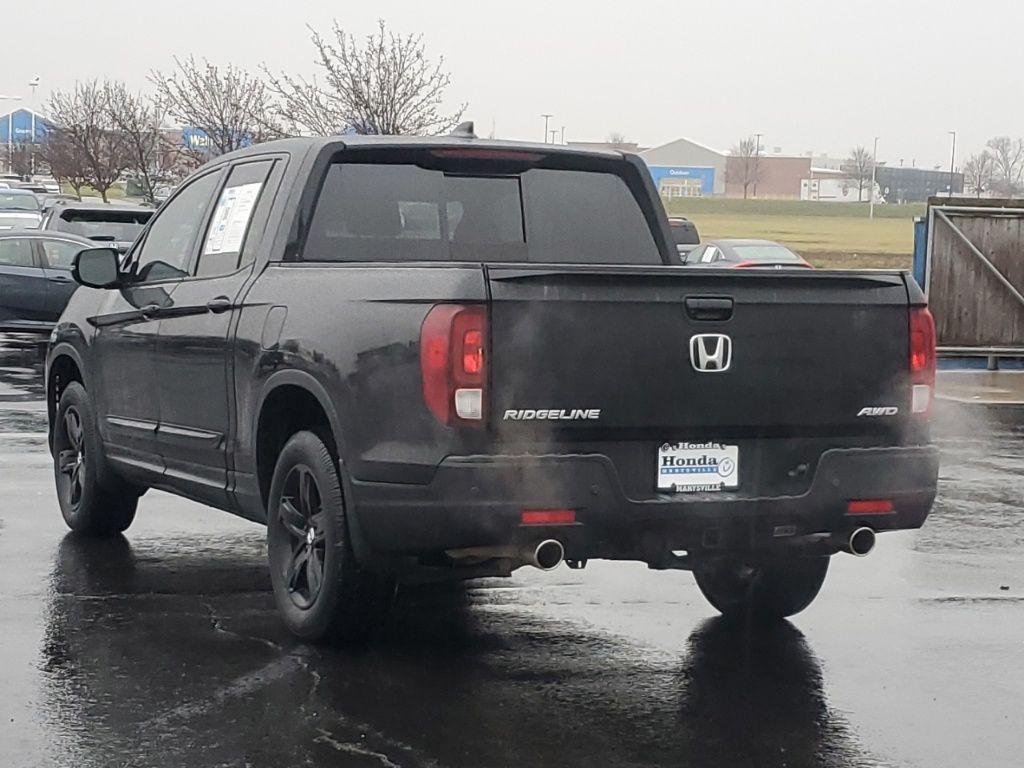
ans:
(974, 275)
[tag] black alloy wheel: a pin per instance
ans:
(93, 500)
(70, 449)
(301, 515)
(322, 592)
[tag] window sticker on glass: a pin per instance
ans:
(231, 218)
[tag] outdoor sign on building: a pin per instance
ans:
(683, 181)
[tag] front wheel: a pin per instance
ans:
(767, 591)
(89, 506)
(320, 589)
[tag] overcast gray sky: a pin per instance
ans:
(809, 75)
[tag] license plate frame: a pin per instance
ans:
(687, 467)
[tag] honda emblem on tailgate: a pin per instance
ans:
(711, 352)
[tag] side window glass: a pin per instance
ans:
(16, 252)
(709, 255)
(60, 253)
(171, 238)
(224, 247)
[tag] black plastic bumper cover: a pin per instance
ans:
(478, 500)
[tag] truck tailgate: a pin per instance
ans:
(611, 350)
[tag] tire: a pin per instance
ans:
(765, 592)
(89, 506)
(320, 589)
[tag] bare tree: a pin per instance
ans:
(385, 85)
(743, 165)
(66, 160)
(22, 156)
(858, 167)
(980, 173)
(231, 107)
(1008, 158)
(150, 156)
(83, 117)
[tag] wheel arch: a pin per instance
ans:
(64, 365)
(308, 405)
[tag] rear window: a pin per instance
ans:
(104, 225)
(18, 201)
(771, 253)
(402, 212)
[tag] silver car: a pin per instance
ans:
(19, 209)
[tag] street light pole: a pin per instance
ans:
(33, 84)
(952, 162)
(546, 118)
(757, 160)
(871, 189)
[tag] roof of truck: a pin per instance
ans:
(305, 143)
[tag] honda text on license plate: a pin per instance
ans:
(698, 467)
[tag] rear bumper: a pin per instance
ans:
(477, 501)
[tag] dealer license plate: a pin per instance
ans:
(692, 467)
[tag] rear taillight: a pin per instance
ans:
(922, 360)
(453, 363)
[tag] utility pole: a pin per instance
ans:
(563, 134)
(554, 132)
(33, 84)
(757, 160)
(952, 162)
(546, 118)
(871, 189)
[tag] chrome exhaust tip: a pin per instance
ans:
(547, 555)
(861, 542)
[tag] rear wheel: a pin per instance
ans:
(767, 591)
(88, 506)
(320, 589)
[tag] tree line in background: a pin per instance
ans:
(999, 168)
(383, 84)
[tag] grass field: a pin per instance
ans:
(826, 234)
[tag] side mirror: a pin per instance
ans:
(97, 268)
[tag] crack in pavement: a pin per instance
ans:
(218, 626)
(326, 737)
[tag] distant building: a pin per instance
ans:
(915, 185)
(21, 125)
(625, 146)
(686, 168)
(778, 176)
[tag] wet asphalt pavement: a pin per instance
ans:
(162, 648)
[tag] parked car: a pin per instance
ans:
(684, 234)
(447, 358)
(46, 202)
(745, 254)
(35, 277)
(49, 184)
(36, 189)
(19, 209)
(115, 223)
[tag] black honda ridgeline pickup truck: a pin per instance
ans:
(447, 358)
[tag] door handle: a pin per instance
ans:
(708, 307)
(219, 304)
(59, 279)
(150, 310)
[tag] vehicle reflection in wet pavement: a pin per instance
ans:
(173, 651)
(163, 647)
